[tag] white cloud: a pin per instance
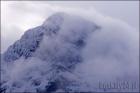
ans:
(17, 17)
(111, 52)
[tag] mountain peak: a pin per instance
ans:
(68, 24)
(55, 18)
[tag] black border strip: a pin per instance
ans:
(70, 0)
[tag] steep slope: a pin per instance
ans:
(56, 45)
(70, 53)
(31, 39)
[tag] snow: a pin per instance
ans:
(70, 53)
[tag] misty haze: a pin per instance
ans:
(71, 46)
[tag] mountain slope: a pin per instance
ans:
(69, 53)
(55, 45)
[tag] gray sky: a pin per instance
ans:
(18, 16)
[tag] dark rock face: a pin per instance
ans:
(28, 43)
(31, 39)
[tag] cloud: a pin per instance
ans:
(26, 14)
(111, 52)
(111, 55)
(14, 24)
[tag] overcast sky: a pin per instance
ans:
(18, 16)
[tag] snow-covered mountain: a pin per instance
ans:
(53, 57)
(62, 36)
(31, 39)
